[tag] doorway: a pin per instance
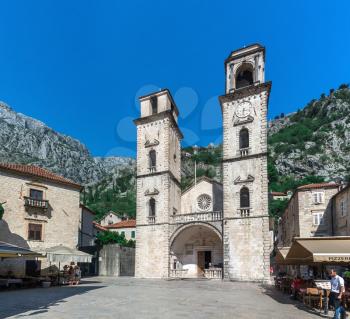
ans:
(204, 259)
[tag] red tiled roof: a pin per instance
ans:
(36, 171)
(318, 185)
(131, 223)
(98, 226)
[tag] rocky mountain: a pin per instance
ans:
(314, 141)
(310, 145)
(29, 141)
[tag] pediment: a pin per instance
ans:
(150, 192)
(249, 179)
(241, 121)
(150, 143)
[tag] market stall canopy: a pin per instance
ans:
(281, 254)
(65, 255)
(330, 250)
(12, 251)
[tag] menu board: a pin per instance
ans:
(323, 284)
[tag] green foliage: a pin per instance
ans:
(1, 211)
(110, 237)
(119, 198)
(277, 207)
(284, 183)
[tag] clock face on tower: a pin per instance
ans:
(243, 109)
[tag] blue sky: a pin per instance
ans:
(78, 66)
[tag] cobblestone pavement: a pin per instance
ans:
(126, 298)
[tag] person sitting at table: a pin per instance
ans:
(296, 284)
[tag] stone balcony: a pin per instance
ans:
(197, 217)
(36, 203)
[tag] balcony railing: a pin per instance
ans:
(151, 219)
(37, 203)
(178, 273)
(244, 212)
(197, 217)
(152, 169)
(213, 273)
(244, 151)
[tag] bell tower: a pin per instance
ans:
(246, 235)
(158, 182)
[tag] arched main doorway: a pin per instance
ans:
(196, 252)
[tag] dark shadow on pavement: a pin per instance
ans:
(283, 298)
(38, 300)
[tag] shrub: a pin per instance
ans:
(111, 237)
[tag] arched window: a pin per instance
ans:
(154, 104)
(244, 76)
(152, 207)
(244, 197)
(152, 159)
(243, 138)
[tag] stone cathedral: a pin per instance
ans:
(211, 229)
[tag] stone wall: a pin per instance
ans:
(116, 261)
(60, 222)
(341, 213)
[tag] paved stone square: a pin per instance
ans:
(137, 298)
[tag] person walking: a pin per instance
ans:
(337, 292)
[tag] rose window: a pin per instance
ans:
(204, 202)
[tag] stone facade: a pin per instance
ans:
(158, 182)
(109, 219)
(59, 222)
(308, 214)
(170, 226)
(341, 212)
(247, 240)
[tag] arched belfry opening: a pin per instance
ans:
(244, 197)
(244, 76)
(152, 207)
(152, 160)
(243, 138)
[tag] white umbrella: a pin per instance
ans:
(65, 255)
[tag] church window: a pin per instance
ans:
(204, 202)
(243, 138)
(244, 76)
(152, 160)
(154, 104)
(152, 207)
(244, 197)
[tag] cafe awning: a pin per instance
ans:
(12, 251)
(281, 254)
(328, 250)
(66, 255)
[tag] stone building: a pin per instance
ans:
(210, 230)
(308, 214)
(125, 227)
(341, 212)
(42, 210)
(110, 218)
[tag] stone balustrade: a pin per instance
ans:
(244, 212)
(37, 203)
(151, 219)
(213, 273)
(244, 151)
(197, 217)
(178, 273)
